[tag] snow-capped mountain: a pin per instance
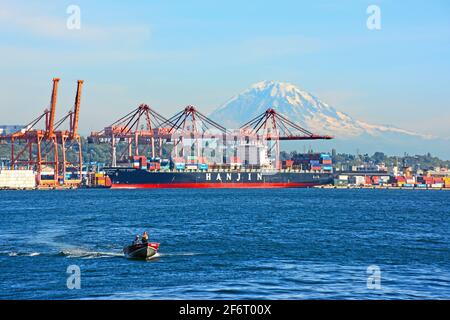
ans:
(318, 117)
(299, 106)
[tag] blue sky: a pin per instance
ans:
(173, 53)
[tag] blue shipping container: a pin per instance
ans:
(180, 166)
(408, 185)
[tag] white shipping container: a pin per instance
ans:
(16, 179)
(360, 180)
(437, 185)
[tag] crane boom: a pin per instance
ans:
(76, 111)
(51, 120)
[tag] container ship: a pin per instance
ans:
(159, 173)
(200, 153)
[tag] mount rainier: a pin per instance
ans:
(313, 114)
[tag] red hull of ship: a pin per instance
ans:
(212, 185)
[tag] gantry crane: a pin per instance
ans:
(192, 124)
(33, 141)
(40, 150)
(271, 127)
(70, 140)
(142, 131)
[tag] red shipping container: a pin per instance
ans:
(289, 163)
(235, 160)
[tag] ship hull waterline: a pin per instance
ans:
(131, 178)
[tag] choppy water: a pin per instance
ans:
(226, 244)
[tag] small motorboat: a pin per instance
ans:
(141, 250)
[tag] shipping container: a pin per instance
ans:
(289, 163)
(191, 166)
(180, 166)
(357, 180)
(339, 182)
(437, 185)
(152, 166)
(235, 161)
(143, 161)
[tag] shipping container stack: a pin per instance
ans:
(153, 164)
(376, 180)
(315, 165)
(326, 162)
(139, 162)
(312, 161)
(433, 182)
(446, 182)
(100, 180)
(165, 165)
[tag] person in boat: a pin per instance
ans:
(136, 240)
(145, 237)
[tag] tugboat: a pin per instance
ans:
(141, 250)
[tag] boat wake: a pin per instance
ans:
(155, 256)
(179, 254)
(91, 254)
(21, 254)
(87, 254)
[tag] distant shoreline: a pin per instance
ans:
(315, 187)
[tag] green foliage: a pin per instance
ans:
(102, 153)
(426, 161)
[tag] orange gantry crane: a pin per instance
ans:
(142, 130)
(70, 140)
(37, 148)
(193, 125)
(43, 149)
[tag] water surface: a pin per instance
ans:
(226, 244)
